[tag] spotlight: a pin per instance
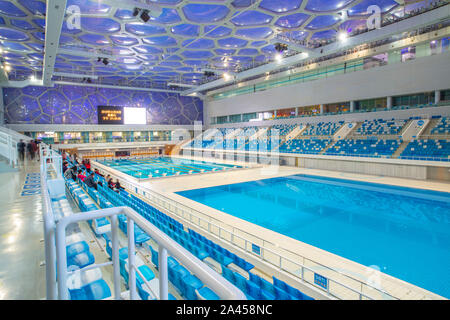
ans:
(99, 59)
(136, 12)
(342, 36)
(8, 68)
(278, 57)
(226, 76)
(144, 16)
(105, 61)
(281, 47)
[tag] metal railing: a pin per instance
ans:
(8, 148)
(224, 289)
(340, 284)
(8, 144)
(55, 247)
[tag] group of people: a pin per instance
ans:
(76, 172)
(31, 148)
(113, 185)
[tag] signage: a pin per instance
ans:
(110, 115)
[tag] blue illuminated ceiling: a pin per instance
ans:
(188, 36)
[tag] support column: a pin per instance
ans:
(296, 111)
(437, 96)
(352, 106)
(321, 109)
(389, 103)
(2, 108)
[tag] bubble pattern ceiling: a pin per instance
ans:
(64, 104)
(229, 35)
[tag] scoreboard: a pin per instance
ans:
(110, 115)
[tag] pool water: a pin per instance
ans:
(405, 232)
(164, 167)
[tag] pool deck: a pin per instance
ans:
(393, 286)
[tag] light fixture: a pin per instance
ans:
(144, 16)
(342, 36)
(8, 68)
(226, 76)
(136, 12)
(105, 61)
(281, 47)
(278, 57)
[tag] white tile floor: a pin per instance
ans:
(21, 232)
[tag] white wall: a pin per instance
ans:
(420, 75)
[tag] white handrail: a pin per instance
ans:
(222, 287)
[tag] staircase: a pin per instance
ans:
(430, 126)
(346, 130)
(400, 149)
(328, 146)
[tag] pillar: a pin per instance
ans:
(321, 109)
(389, 103)
(352, 106)
(437, 97)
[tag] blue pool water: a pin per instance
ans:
(403, 231)
(163, 167)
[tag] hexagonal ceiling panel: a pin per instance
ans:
(187, 37)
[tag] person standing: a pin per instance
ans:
(38, 156)
(34, 147)
(21, 149)
(30, 150)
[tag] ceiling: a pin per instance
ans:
(187, 38)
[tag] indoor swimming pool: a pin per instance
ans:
(164, 167)
(404, 232)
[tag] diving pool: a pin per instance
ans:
(403, 231)
(164, 167)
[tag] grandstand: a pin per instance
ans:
(203, 150)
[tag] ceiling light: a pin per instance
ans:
(342, 36)
(226, 76)
(278, 57)
(105, 61)
(136, 12)
(8, 68)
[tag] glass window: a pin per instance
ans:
(408, 53)
(286, 113)
(235, 118)
(222, 119)
(445, 95)
(249, 116)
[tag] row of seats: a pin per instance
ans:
(123, 252)
(308, 146)
(187, 284)
(87, 284)
(372, 147)
(257, 288)
(323, 129)
(442, 127)
(381, 127)
(427, 148)
(205, 249)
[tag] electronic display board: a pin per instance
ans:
(110, 115)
